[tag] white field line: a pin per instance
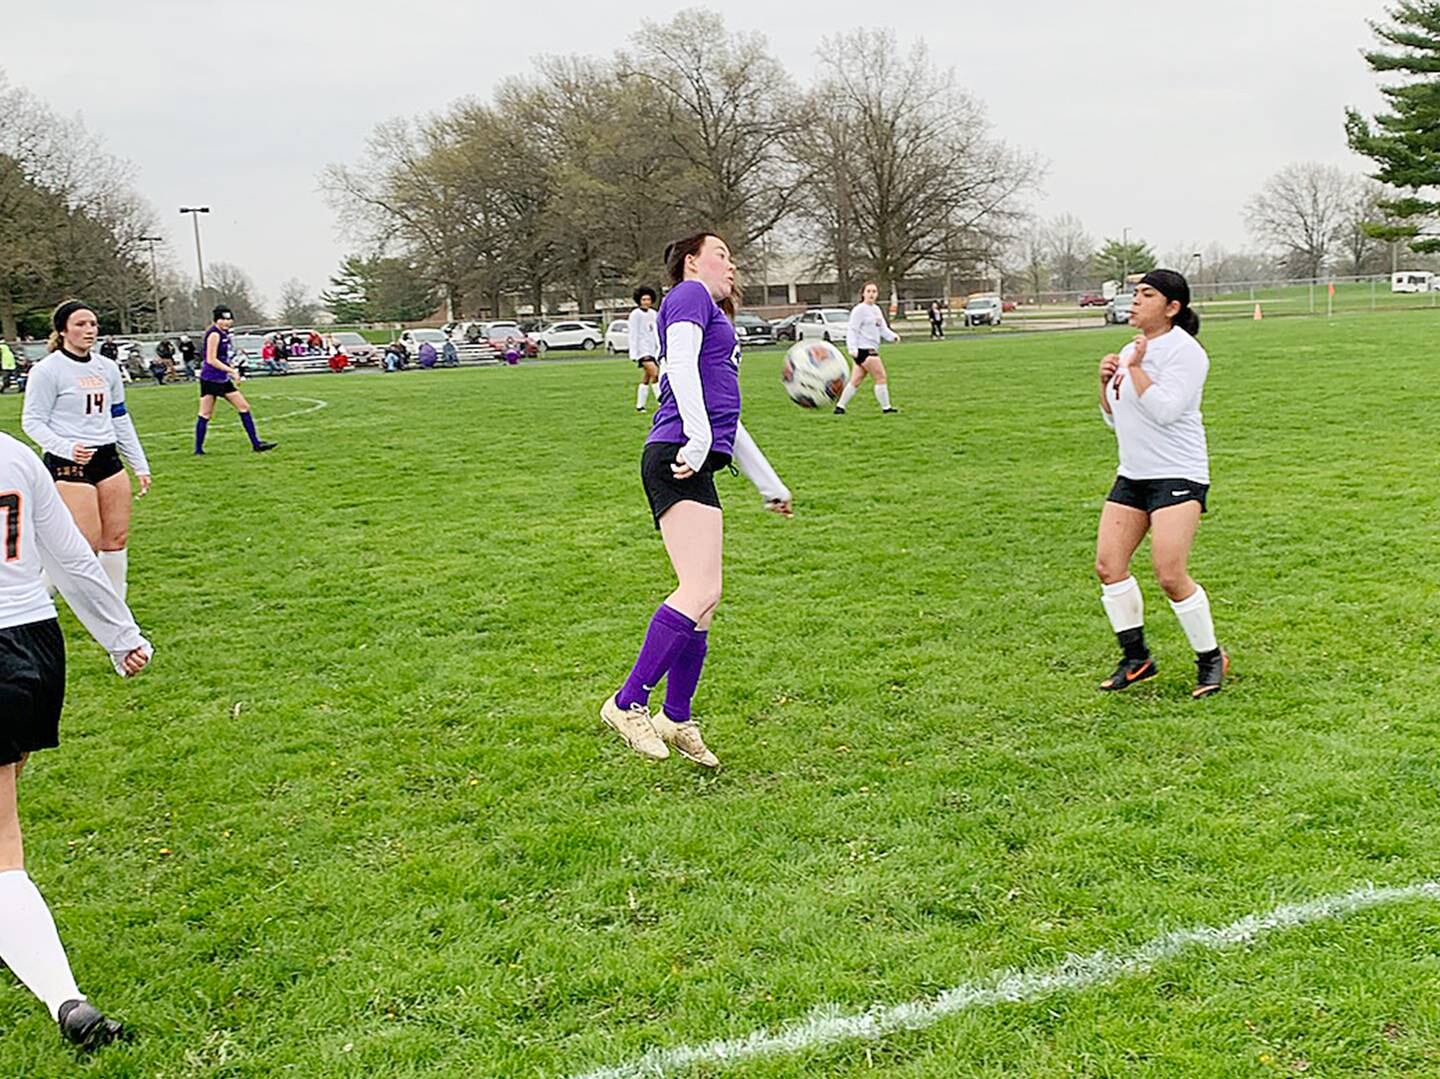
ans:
(829, 1025)
(315, 406)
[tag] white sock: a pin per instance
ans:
(882, 394)
(1194, 615)
(847, 395)
(1124, 603)
(642, 391)
(116, 564)
(655, 388)
(29, 944)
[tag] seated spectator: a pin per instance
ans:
(427, 354)
(449, 355)
(267, 350)
(338, 360)
(315, 342)
(395, 358)
(157, 370)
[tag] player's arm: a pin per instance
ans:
(682, 371)
(76, 572)
(1166, 400)
(127, 440)
(852, 328)
(1108, 366)
(886, 332)
(758, 470)
(35, 417)
(212, 355)
(635, 322)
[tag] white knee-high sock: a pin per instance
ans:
(882, 394)
(29, 944)
(642, 391)
(1194, 615)
(847, 395)
(116, 565)
(1124, 603)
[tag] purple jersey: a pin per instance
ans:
(222, 353)
(690, 301)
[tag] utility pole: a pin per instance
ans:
(155, 279)
(1124, 256)
(195, 212)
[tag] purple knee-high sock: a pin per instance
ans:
(249, 423)
(684, 676)
(668, 634)
(200, 424)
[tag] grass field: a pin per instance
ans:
(360, 818)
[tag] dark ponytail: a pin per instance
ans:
(674, 258)
(1173, 286)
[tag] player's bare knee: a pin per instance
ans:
(114, 539)
(1110, 570)
(1174, 581)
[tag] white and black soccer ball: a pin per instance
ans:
(814, 373)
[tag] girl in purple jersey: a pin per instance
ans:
(696, 430)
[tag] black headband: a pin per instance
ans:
(64, 311)
(221, 312)
(1169, 284)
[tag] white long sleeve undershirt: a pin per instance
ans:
(757, 468)
(682, 371)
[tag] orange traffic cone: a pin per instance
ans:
(1258, 314)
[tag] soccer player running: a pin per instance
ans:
(37, 530)
(696, 431)
(1150, 394)
(75, 412)
(217, 379)
(645, 345)
(862, 337)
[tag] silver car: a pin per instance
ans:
(1117, 311)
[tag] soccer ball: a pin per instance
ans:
(814, 373)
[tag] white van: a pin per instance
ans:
(1412, 281)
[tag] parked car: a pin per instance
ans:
(505, 336)
(983, 311)
(753, 330)
(826, 323)
(617, 336)
(1117, 311)
(568, 334)
(356, 348)
(411, 340)
(1093, 299)
(785, 328)
(1007, 305)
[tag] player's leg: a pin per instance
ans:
(202, 421)
(113, 495)
(242, 406)
(694, 540)
(642, 390)
(652, 376)
(857, 375)
(1122, 528)
(876, 366)
(83, 502)
(1172, 534)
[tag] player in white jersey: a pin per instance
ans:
(645, 345)
(75, 411)
(866, 330)
(1150, 394)
(37, 530)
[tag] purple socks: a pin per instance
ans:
(669, 633)
(200, 424)
(249, 423)
(684, 676)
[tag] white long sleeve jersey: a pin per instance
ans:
(37, 532)
(69, 401)
(867, 328)
(644, 334)
(1161, 433)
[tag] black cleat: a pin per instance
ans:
(1129, 672)
(887, 411)
(839, 411)
(199, 453)
(262, 446)
(1210, 671)
(82, 1025)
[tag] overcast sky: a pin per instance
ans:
(1158, 116)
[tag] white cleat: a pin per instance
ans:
(685, 737)
(635, 727)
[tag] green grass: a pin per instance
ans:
(360, 819)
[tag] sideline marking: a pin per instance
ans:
(828, 1025)
(315, 406)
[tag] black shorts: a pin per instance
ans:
(664, 490)
(863, 354)
(216, 389)
(102, 466)
(1152, 495)
(32, 688)
(643, 360)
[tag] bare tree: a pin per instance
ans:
(923, 182)
(1071, 249)
(297, 306)
(228, 284)
(1031, 260)
(1364, 252)
(1301, 212)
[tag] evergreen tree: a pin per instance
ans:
(1405, 142)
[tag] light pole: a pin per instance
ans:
(1124, 256)
(195, 212)
(155, 280)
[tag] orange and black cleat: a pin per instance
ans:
(1210, 671)
(1129, 672)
